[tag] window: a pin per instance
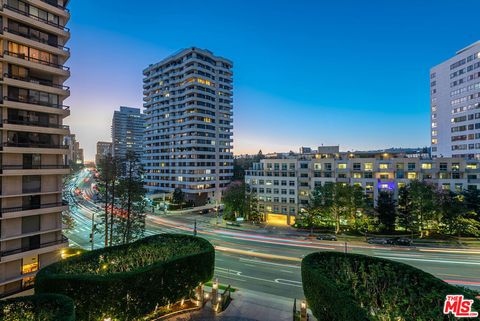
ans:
(383, 166)
(31, 184)
(356, 166)
(317, 166)
(357, 175)
(426, 166)
(411, 166)
(342, 166)
(368, 166)
(443, 166)
(412, 175)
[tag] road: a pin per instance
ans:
(263, 260)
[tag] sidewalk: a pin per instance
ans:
(246, 306)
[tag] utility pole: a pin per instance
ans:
(195, 228)
(92, 234)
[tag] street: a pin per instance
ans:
(265, 261)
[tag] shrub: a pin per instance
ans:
(130, 281)
(351, 287)
(41, 307)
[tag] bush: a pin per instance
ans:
(351, 287)
(41, 307)
(130, 281)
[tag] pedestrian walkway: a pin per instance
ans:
(246, 306)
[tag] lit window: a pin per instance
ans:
(472, 166)
(412, 175)
(357, 175)
(368, 166)
(383, 166)
(342, 166)
(426, 166)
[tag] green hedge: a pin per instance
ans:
(354, 287)
(41, 307)
(127, 282)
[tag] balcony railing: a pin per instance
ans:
(24, 35)
(34, 123)
(30, 207)
(35, 102)
(36, 60)
(34, 145)
(29, 248)
(26, 166)
(56, 5)
(27, 14)
(36, 81)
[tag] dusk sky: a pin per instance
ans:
(349, 73)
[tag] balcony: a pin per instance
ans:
(30, 248)
(35, 60)
(34, 145)
(27, 36)
(25, 100)
(37, 18)
(37, 84)
(34, 123)
(56, 5)
(30, 207)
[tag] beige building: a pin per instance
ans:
(283, 184)
(32, 152)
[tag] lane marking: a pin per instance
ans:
(427, 260)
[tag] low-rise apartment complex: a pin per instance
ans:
(283, 184)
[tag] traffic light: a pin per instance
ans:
(91, 237)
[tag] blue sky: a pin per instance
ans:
(306, 73)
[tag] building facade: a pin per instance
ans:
(127, 131)
(188, 137)
(455, 105)
(103, 150)
(32, 154)
(284, 185)
(74, 156)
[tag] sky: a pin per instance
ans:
(306, 73)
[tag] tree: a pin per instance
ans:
(251, 206)
(457, 217)
(178, 196)
(130, 219)
(234, 200)
(386, 210)
(471, 198)
(406, 218)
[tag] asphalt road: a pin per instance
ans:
(265, 261)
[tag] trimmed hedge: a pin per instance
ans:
(127, 282)
(40, 307)
(354, 287)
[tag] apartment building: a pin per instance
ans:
(188, 137)
(103, 150)
(127, 132)
(284, 184)
(75, 156)
(455, 105)
(32, 152)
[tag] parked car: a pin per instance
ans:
(327, 237)
(402, 241)
(204, 211)
(378, 240)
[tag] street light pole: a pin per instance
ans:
(93, 230)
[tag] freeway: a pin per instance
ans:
(264, 260)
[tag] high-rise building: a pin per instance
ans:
(74, 156)
(103, 150)
(188, 137)
(455, 105)
(127, 131)
(33, 41)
